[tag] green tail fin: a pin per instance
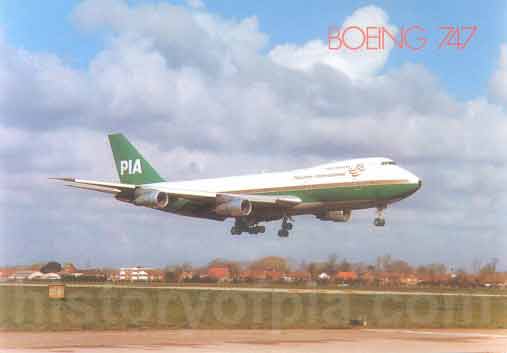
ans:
(132, 168)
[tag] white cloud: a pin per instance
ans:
(355, 64)
(498, 83)
(182, 36)
(32, 83)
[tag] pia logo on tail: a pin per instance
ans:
(131, 167)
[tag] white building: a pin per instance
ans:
(137, 273)
(324, 276)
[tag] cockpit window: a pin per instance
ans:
(388, 163)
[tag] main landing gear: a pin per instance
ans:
(250, 226)
(379, 220)
(286, 226)
(241, 226)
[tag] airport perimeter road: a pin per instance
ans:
(271, 290)
(246, 341)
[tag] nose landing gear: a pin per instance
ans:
(286, 226)
(379, 220)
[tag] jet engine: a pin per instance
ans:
(335, 216)
(150, 198)
(234, 208)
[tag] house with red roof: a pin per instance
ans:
(409, 280)
(300, 276)
(346, 276)
(219, 273)
(273, 275)
(5, 273)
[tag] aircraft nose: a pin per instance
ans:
(414, 180)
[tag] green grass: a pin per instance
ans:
(100, 308)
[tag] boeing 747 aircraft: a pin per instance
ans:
(329, 191)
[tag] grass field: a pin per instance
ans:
(106, 307)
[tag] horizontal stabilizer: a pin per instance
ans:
(95, 188)
(101, 186)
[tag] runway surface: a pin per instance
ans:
(246, 341)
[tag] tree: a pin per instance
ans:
(489, 267)
(234, 267)
(361, 267)
(314, 269)
(173, 274)
(330, 265)
(51, 267)
(274, 263)
(437, 269)
(476, 265)
(218, 262)
(344, 266)
(384, 263)
(400, 266)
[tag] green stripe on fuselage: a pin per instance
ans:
(351, 193)
(373, 192)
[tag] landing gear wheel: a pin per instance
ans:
(283, 233)
(287, 226)
(244, 226)
(256, 229)
(379, 222)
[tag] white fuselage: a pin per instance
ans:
(362, 170)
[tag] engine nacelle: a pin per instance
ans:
(150, 198)
(335, 216)
(234, 208)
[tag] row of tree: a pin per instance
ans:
(332, 265)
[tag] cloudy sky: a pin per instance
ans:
(228, 88)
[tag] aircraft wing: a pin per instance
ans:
(218, 197)
(193, 195)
